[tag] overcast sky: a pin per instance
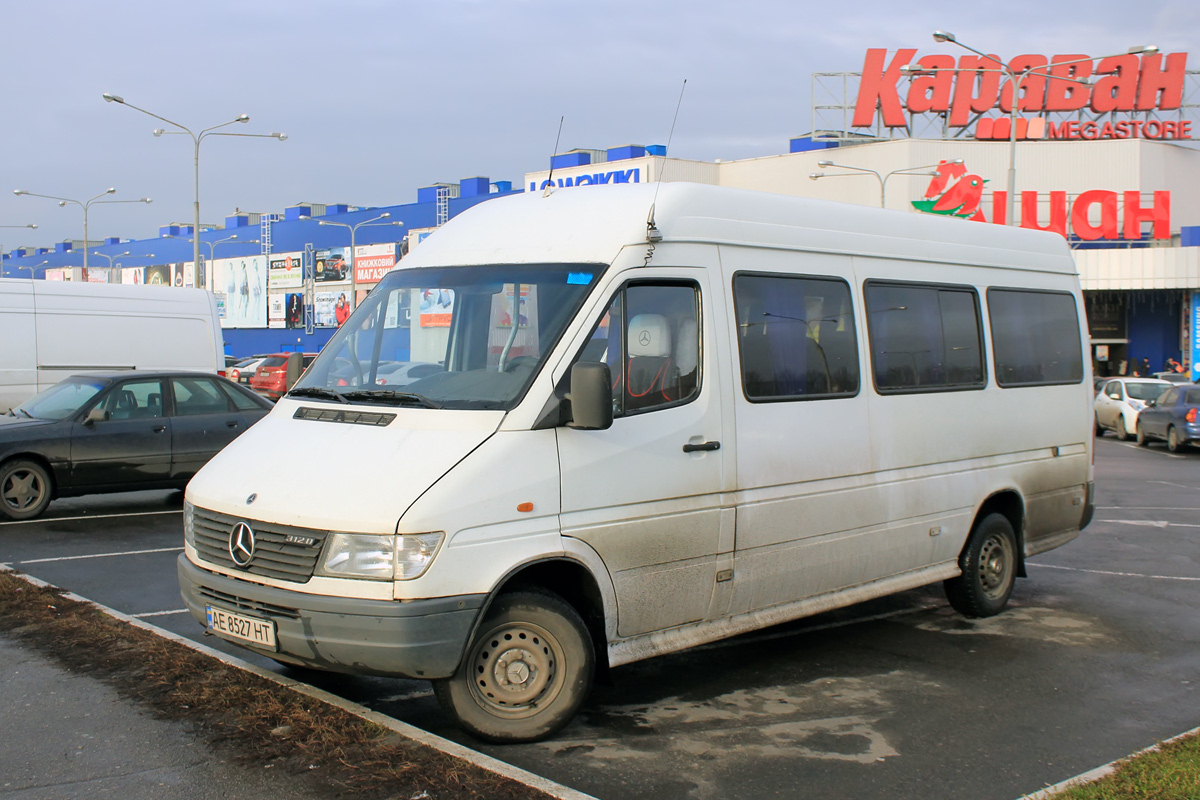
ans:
(379, 97)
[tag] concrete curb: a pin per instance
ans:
(446, 746)
(1099, 772)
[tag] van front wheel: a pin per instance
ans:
(527, 670)
(989, 569)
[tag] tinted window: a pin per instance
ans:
(924, 337)
(240, 399)
(796, 337)
(134, 400)
(1035, 336)
(1193, 397)
(274, 361)
(1171, 397)
(198, 396)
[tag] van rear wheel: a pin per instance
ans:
(25, 489)
(989, 569)
(526, 672)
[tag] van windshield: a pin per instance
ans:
(450, 337)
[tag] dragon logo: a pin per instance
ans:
(953, 192)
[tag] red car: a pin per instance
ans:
(270, 379)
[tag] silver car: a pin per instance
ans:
(1121, 400)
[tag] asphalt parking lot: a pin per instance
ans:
(901, 698)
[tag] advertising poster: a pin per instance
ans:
(372, 262)
(332, 307)
(286, 271)
(189, 275)
(243, 282)
(97, 275)
(437, 307)
(1195, 315)
(294, 309)
(132, 275)
(55, 275)
(158, 276)
(332, 265)
(275, 310)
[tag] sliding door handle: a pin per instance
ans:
(692, 448)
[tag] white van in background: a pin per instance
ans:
(53, 329)
(661, 415)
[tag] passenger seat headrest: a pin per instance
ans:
(649, 335)
(687, 349)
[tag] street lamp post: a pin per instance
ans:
(85, 205)
(212, 247)
(372, 223)
(930, 170)
(111, 259)
(1015, 79)
(196, 139)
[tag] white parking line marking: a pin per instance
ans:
(1118, 574)
(164, 614)
(102, 555)
(1151, 523)
(93, 516)
(1176, 485)
(1141, 449)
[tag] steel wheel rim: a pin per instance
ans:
(995, 566)
(22, 489)
(515, 670)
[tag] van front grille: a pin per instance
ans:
(280, 551)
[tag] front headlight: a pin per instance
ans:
(189, 523)
(379, 558)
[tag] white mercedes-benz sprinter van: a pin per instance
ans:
(578, 430)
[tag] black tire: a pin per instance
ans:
(25, 489)
(1099, 429)
(989, 569)
(1173, 442)
(1142, 439)
(1121, 430)
(526, 672)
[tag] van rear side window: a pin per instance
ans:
(924, 338)
(1035, 336)
(796, 337)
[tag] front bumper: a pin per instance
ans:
(417, 639)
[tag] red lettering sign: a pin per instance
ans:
(972, 85)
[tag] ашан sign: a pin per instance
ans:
(963, 89)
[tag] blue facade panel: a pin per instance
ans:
(472, 187)
(565, 160)
(656, 150)
(628, 151)
(803, 144)
(1189, 236)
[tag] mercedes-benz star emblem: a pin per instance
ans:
(644, 338)
(241, 544)
(251, 498)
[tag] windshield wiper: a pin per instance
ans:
(317, 391)
(392, 395)
(23, 411)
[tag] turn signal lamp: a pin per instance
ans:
(1191, 415)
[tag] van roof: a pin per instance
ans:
(591, 224)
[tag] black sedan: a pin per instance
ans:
(117, 432)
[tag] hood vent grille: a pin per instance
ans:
(341, 415)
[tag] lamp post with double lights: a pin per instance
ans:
(31, 225)
(85, 205)
(929, 170)
(212, 248)
(112, 259)
(1015, 79)
(197, 138)
(366, 223)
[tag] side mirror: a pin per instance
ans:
(97, 414)
(1151, 403)
(1115, 396)
(295, 366)
(591, 396)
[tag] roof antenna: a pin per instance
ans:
(550, 179)
(653, 235)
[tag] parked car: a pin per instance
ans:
(117, 432)
(1173, 377)
(270, 378)
(402, 373)
(242, 370)
(1121, 400)
(229, 362)
(1172, 418)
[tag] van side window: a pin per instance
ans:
(650, 339)
(1035, 336)
(796, 337)
(924, 338)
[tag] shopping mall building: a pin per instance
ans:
(1103, 153)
